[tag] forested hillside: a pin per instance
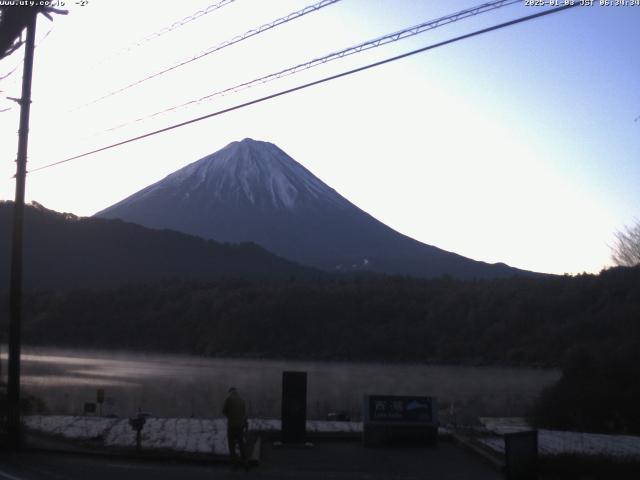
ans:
(62, 252)
(521, 321)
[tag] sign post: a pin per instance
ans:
(100, 399)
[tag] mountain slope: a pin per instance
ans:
(62, 251)
(253, 191)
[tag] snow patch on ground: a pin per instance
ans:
(188, 435)
(553, 442)
(81, 428)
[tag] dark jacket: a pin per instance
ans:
(235, 410)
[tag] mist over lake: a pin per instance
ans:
(183, 386)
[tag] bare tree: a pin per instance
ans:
(626, 250)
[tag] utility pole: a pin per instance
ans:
(15, 289)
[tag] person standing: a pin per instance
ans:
(236, 412)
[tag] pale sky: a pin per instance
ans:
(518, 146)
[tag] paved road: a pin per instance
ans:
(331, 461)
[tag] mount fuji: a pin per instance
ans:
(253, 191)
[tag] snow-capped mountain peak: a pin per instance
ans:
(250, 171)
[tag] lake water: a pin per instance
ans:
(182, 386)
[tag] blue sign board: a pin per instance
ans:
(388, 408)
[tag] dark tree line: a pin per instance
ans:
(519, 321)
(598, 392)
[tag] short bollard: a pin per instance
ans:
(521, 455)
(137, 423)
(294, 408)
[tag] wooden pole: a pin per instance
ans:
(15, 288)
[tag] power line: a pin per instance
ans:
(189, 18)
(14, 18)
(44, 37)
(311, 84)
(4, 76)
(369, 44)
(239, 38)
(9, 73)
